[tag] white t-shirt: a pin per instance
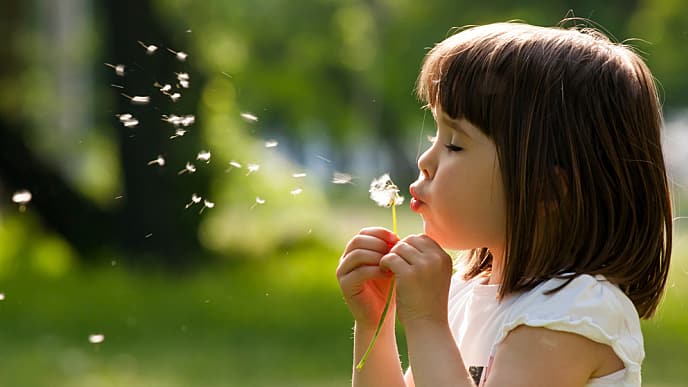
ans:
(589, 306)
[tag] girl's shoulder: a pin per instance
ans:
(586, 305)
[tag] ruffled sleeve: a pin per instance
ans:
(588, 306)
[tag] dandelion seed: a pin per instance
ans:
(296, 191)
(252, 168)
(119, 69)
(148, 235)
(125, 117)
(190, 168)
(128, 120)
(203, 156)
(160, 161)
(432, 139)
(235, 164)
(179, 54)
(175, 96)
(188, 120)
(167, 87)
(206, 204)
(341, 178)
(226, 75)
(178, 133)
(138, 99)
(248, 117)
(183, 76)
(184, 84)
(150, 49)
(195, 199)
(384, 192)
(271, 143)
(118, 197)
(298, 175)
(22, 197)
(324, 159)
(96, 338)
(2, 296)
(117, 86)
(131, 123)
(260, 200)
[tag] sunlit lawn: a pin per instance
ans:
(279, 322)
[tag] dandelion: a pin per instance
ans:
(271, 143)
(298, 175)
(190, 168)
(296, 191)
(385, 193)
(195, 199)
(248, 117)
(119, 69)
(181, 56)
(252, 168)
(138, 99)
(150, 49)
(203, 156)
(96, 338)
(341, 178)
(160, 161)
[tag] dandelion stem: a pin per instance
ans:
(387, 303)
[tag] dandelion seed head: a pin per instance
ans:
(248, 117)
(296, 191)
(22, 196)
(298, 175)
(96, 338)
(384, 192)
(341, 178)
(271, 143)
(203, 156)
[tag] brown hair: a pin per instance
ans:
(576, 122)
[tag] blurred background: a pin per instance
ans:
(178, 178)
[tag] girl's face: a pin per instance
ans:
(459, 192)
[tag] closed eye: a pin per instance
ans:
(453, 148)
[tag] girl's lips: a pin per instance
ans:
(415, 202)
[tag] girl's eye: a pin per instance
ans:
(453, 148)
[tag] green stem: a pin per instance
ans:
(386, 308)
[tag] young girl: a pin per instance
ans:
(547, 171)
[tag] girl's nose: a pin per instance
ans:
(427, 164)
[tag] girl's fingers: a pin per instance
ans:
(382, 233)
(366, 242)
(356, 259)
(353, 279)
(394, 263)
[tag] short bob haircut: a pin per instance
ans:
(576, 122)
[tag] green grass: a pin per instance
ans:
(278, 322)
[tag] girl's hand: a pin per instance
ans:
(364, 285)
(423, 273)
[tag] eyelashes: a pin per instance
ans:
(453, 148)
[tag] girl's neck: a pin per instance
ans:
(497, 272)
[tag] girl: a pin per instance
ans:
(547, 171)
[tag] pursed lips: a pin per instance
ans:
(415, 203)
